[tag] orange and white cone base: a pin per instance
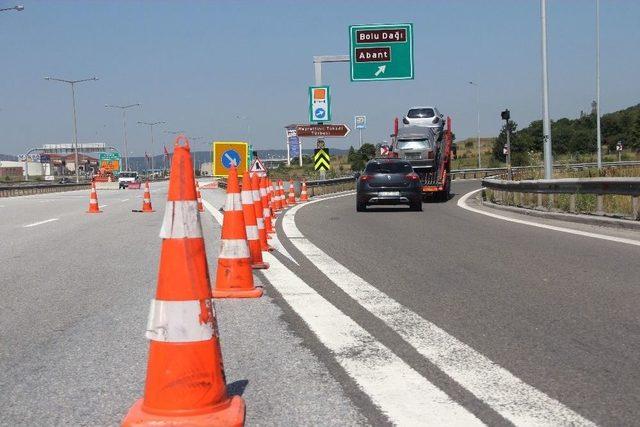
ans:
(292, 194)
(185, 384)
(93, 200)
(199, 197)
(234, 277)
(146, 199)
(251, 224)
(304, 196)
(266, 209)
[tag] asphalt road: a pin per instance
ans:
(557, 311)
(74, 301)
(438, 317)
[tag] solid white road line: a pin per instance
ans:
(40, 222)
(509, 396)
(462, 202)
(400, 392)
(124, 200)
(102, 206)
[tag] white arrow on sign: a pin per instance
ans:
(381, 70)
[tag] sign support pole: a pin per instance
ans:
(360, 136)
(300, 152)
(288, 153)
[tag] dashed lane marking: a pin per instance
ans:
(40, 222)
(462, 202)
(509, 396)
(381, 374)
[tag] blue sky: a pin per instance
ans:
(199, 64)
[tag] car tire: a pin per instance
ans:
(361, 207)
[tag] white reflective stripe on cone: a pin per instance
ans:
(260, 223)
(247, 198)
(256, 195)
(181, 220)
(252, 232)
(180, 321)
(263, 192)
(233, 202)
(266, 213)
(234, 249)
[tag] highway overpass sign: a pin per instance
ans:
(381, 52)
(227, 154)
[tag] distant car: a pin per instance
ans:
(64, 180)
(424, 116)
(126, 178)
(388, 182)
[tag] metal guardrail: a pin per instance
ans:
(512, 192)
(24, 190)
(485, 172)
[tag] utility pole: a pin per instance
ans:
(478, 124)
(75, 120)
(598, 130)
(124, 109)
(546, 123)
(151, 125)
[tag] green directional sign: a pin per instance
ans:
(321, 159)
(381, 52)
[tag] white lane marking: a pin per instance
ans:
(40, 222)
(378, 371)
(102, 206)
(509, 396)
(462, 202)
(124, 200)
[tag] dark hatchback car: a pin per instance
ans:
(388, 182)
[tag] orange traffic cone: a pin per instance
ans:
(264, 196)
(304, 197)
(200, 207)
(93, 200)
(251, 224)
(292, 193)
(234, 278)
(275, 197)
(283, 199)
(257, 205)
(185, 383)
(146, 199)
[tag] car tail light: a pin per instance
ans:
(412, 177)
(431, 155)
(436, 120)
(365, 178)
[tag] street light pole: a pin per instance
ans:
(124, 127)
(151, 125)
(546, 124)
(478, 124)
(75, 120)
(598, 130)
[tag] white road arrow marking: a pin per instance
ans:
(381, 69)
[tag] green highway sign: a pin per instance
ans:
(381, 52)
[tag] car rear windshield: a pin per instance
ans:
(388, 167)
(414, 144)
(421, 113)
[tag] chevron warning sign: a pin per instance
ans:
(321, 159)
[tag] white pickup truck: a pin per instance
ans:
(126, 178)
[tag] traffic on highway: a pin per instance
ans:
(297, 222)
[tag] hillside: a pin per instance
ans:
(573, 136)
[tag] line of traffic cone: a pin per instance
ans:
(234, 278)
(266, 209)
(185, 382)
(251, 224)
(283, 198)
(259, 211)
(93, 200)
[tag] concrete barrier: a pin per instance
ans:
(107, 186)
(26, 190)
